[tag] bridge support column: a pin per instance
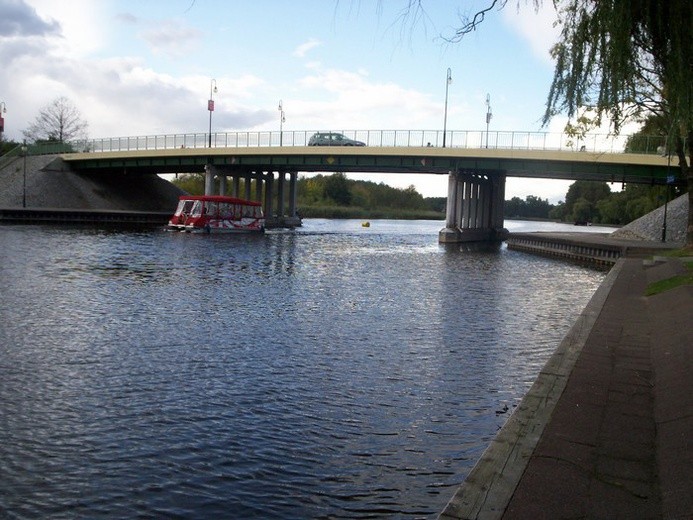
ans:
(269, 195)
(222, 184)
(293, 178)
(237, 185)
(281, 181)
(258, 186)
(210, 171)
(474, 208)
(247, 186)
(292, 219)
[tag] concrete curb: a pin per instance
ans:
(490, 485)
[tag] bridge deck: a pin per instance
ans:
(610, 167)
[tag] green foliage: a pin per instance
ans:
(191, 183)
(531, 207)
(671, 283)
(651, 138)
(559, 212)
(336, 188)
(7, 146)
(583, 211)
(588, 201)
(436, 204)
(336, 196)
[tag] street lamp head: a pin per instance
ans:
(3, 107)
(280, 106)
(449, 76)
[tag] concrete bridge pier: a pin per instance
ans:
(284, 217)
(210, 173)
(275, 192)
(474, 208)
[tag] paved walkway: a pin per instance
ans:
(606, 432)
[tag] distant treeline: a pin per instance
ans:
(336, 196)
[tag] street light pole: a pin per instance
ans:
(666, 200)
(488, 115)
(448, 80)
(3, 110)
(282, 119)
(210, 106)
(24, 150)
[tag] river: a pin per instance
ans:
(334, 371)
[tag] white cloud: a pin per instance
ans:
(302, 50)
(350, 100)
(537, 27)
(172, 38)
(83, 30)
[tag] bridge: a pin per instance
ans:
(476, 163)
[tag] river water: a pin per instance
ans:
(334, 371)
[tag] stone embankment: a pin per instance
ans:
(650, 226)
(641, 237)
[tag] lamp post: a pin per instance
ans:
(489, 115)
(210, 106)
(282, 119)
(3, 110)
(666, 200)
(448, 80)
(24, 150)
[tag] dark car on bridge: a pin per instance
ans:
(332, 139)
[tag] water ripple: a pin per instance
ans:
(331, 372)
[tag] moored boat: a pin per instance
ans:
(217, 213)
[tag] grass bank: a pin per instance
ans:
(674, 281)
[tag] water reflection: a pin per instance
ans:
(334, 371)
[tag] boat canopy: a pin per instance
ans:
(220, 198)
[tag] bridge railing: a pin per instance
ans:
(471, 139)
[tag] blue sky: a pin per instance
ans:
(145, 67)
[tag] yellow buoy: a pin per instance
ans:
(366, 224)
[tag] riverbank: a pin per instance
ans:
(604, 432)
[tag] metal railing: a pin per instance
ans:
(470, 139)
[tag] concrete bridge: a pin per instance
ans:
(476, 173)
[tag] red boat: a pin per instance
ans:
(216, 214)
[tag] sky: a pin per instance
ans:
(146, 67)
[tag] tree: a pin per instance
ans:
(59, 121)
(620, 59)
(583, 211)
(337, 189)
(629, 59)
